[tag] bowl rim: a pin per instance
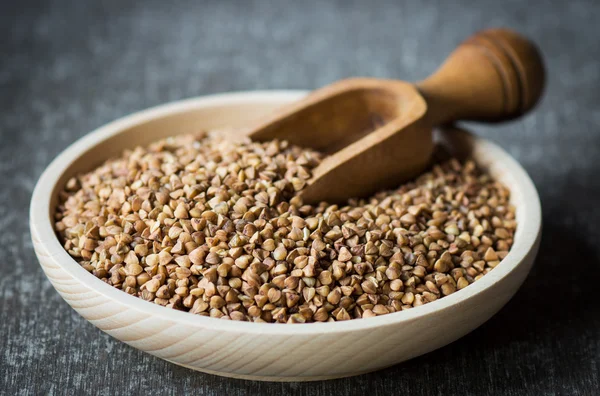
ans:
(48, 245)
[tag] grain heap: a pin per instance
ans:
(204, 225)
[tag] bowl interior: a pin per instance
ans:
(239, 111)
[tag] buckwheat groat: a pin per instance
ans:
(201, 224)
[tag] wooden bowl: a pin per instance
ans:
(264, 351)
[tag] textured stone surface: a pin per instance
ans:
(67, 67)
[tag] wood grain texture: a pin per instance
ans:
(264, 351)
(494, 75)
(378, 132)
(60, 78)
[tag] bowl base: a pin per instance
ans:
(275, 378)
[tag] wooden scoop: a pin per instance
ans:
(378, 133)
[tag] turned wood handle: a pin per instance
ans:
(494, 75)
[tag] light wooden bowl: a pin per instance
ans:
(263, 351)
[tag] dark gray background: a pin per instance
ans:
(67, 67)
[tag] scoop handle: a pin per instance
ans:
(495, 75)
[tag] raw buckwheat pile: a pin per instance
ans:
(200, 224)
